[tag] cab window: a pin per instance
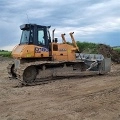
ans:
(25, 37)
(41, 39)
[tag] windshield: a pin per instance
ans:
(25, 37)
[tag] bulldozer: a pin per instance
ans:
(39, 58)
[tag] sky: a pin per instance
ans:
(95, 21)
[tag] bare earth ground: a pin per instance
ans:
(88, 98)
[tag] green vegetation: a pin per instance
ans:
(5, 53)
(87, 47)
(117, 48)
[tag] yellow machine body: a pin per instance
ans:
(58, 52)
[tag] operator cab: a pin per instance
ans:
(35, 35)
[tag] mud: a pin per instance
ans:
(107, 51)
(85, 98)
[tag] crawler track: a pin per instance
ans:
(48, 71)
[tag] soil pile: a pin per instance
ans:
(107, 51)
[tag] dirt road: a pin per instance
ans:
(88, 98)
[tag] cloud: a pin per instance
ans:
(9, 48)
(89, 19)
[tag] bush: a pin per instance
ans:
(87, 47)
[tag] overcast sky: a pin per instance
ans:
(92, 20)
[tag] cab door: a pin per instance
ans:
(42, 48)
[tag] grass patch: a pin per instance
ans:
(117, 48)
(5, 53)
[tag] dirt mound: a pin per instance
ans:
(107, 51)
